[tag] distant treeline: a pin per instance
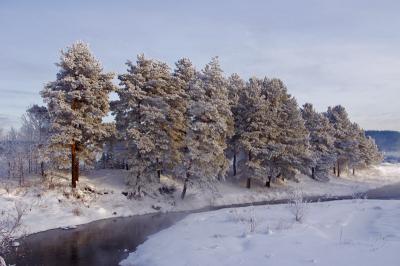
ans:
(385, 139)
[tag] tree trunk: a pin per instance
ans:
(42, 168)
(21, 172)
(279, 176)
(338, 169)
(158, 170)
(334, 170)
(234, 163)
(248, 184)
(185, 186)
(354, 171)
(312, 172)
(9, 170)
(268, 183)
(73, 164)
(77, 168)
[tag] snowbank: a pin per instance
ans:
(352, 232)
(100, 196)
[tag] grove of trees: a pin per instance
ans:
(198, 126)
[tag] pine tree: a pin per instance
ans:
(254, 128)
(366, 152)
(210, 125)
(235, 89)
(183, 76)
(143, 113)
(321, 138)
(288, 147)
(77, 102)
(178, 100)
(345, 137)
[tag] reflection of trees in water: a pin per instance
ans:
(98, 243)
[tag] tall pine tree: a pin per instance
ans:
(321, 138)
(288, 146)
(210, 125)
(77, 102)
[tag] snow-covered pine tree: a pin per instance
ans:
(184, 74)
(288, 147)
(354, 159)
(142, 115)
(77, 101)
(321, 138)
(210, 125)
(370, 153)
(345, 137)
(254, 128)
(235, 89)
(366, 152)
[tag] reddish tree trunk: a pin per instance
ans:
(248, 184)
(185, 186)
(77, 168)
(268, 182)
(73, 164)
(42, 168)
(158, 170)
(234, 163)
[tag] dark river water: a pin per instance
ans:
(107, 242)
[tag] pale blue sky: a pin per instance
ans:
(327, 52)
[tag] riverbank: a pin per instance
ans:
(100, 196)
(348, 232)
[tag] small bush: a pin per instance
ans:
(298, 205)
(10, 226)
(77, 211)
(252, 221)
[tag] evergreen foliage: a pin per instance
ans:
(77, 102)
(185, 123)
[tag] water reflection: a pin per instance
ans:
(98, 243)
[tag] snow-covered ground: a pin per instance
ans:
(100, 196)
(350, 232)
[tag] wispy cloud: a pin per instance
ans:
(327, 52)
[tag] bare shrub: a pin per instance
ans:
(247, 218)
(283, 225)
(7, 187)
(77, 211)
(10, 226)
(236, 216)
(298, 205)
(252, 221)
